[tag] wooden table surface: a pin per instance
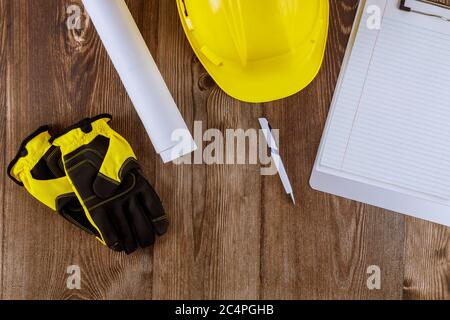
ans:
(234, 234)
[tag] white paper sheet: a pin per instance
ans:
(141, 78)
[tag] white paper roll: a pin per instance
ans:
(142, 80)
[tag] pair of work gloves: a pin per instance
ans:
(89, 174)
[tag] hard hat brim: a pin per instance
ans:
(258, 85)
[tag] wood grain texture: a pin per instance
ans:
(234, 234)
(427, 261)
(3, 121)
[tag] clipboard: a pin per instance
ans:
(387, 140)
(406, 7)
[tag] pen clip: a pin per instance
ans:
(268, 134)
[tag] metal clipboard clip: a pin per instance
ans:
(404, 7)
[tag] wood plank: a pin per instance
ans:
(427, 260)
(174, 272)
(14, 266)
(3, 119)
(229, 236)
(322, 247)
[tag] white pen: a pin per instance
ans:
(267, 131)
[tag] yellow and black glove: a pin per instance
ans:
(38, 167)
(104, 173)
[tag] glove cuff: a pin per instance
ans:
(30, 152)
(82, 133)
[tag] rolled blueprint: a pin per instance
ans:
(142, 80)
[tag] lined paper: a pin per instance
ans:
(391, 117)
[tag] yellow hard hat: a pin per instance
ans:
(258, 50)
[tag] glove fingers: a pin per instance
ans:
(109, 232)
(125, 232)
(154, 210)
(142, 227)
